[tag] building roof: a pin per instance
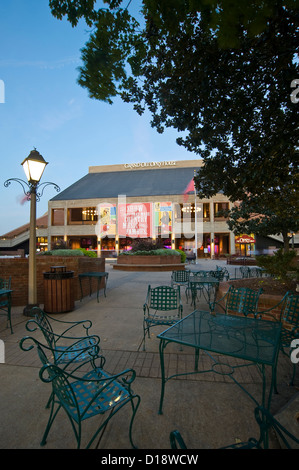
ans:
(131, 183)
(41, 222)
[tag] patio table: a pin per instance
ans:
(254, 341)
(98, 276)
(208, 285)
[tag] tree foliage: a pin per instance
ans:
(218, 72)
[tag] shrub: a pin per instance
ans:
(63, 252)
(159, 252)
(90, 254)
(183, 255)
(281, 265)
(146, 244)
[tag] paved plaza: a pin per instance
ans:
(208, 409)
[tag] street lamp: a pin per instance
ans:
(33, 166)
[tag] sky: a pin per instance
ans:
(43, 107)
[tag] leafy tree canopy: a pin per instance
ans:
(219, 72)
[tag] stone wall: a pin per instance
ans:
(17, 268)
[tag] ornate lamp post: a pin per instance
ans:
(33, 166)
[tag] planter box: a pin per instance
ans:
(149, 263)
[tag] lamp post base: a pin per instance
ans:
(28, 308)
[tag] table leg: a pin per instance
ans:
(81, 288)
(9, 311)
(106, 280)
(161, 351)
(99, 282)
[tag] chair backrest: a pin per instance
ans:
(198, 274)
(290, 309)
(242, 300)
(224, 272)
(5, 283)
(218, 274)
(164, 297)
(61, 386)
(180, 276)
(42, 322)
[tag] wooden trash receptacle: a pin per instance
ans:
(58, 290)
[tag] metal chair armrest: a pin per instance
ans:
(176, 440)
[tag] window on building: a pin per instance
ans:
(42, 244)
(57, 217)
(219, 207)
(82, 215)
(206, 212)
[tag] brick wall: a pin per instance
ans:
(17, 268)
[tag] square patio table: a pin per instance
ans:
(208, 285)
(254, 341)
(98, 276)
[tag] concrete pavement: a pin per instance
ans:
(208, 409)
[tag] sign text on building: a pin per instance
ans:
(148, 164)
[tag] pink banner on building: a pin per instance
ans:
(135, 220)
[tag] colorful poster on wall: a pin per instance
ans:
(107, 219)
(135, 220)
(163, 218)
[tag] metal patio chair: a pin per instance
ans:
(84, 395)
(181, 278)
(5, 301)
(241, 300)
(287, 312)
(163, 306)
(265, 420)
(74, 350)
(222, 273)
(77, 342)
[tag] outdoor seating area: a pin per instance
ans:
(127, 371)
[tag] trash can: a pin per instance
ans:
(58, 290)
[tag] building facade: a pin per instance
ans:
(114, 204)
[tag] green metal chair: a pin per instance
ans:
(76, 347)
(245, 272)
(5, 301)
(181, 278)
(265, 420)
(163, 306)
(222, 273)
(84, 395)
(241, 300)
(287, 312)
